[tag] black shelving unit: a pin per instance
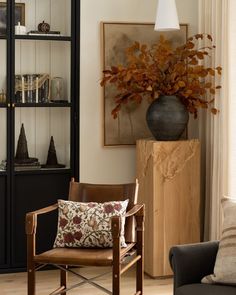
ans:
(28, 190)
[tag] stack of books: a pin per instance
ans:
(32, 165)
(50, 33)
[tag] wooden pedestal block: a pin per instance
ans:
(169, 178)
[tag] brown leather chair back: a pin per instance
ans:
(85, 192)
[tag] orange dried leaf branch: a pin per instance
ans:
(163, 70)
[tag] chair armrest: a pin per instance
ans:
(31, 218)
(135, 210)
(190, 263)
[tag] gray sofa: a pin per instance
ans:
(190, 263)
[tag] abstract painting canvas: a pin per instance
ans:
(131, 123)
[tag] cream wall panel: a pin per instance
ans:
(66, 132)
(30, 14)
(3, 52)
(25, 56)
(42, 133)
(61, 132)
(61, 16)
(43, 57)
(60, 64)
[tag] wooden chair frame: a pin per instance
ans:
(117, 269)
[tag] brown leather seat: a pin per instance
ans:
(89, 257)
(115, 257)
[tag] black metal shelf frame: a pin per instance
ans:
(15, 178)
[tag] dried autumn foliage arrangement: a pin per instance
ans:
(163, 70)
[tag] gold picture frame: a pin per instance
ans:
(116, 37)
(19, 15)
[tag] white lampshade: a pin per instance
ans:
(167, 17)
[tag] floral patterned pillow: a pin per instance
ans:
(88, 225)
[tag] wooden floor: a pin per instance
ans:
(47, 281)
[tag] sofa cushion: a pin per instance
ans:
(225, 265)
(205, 289)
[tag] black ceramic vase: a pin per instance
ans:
(167, 118)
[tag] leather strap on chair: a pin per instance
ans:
(115, 225)
(135, 210)
(31, 224)
(140, 216)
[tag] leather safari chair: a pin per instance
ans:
(116, 257)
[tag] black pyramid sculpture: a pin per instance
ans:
(22, 148)
(22, 155)
(52, 157)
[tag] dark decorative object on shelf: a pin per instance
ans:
(44, 30)
(167, 118)
(22, 159)
(52, 157)
(32, 88)
(44, 27)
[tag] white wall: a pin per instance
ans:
(111, 164)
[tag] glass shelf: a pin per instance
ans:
(43, 37)
(4, 37)
(3, 105)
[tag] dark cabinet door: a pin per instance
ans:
(33, 192)
(3, 221)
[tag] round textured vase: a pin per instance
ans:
(167, 118)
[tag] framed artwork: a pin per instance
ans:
(131, 123)
(19, 15)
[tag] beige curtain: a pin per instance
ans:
(232, 98)
(213, 19)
